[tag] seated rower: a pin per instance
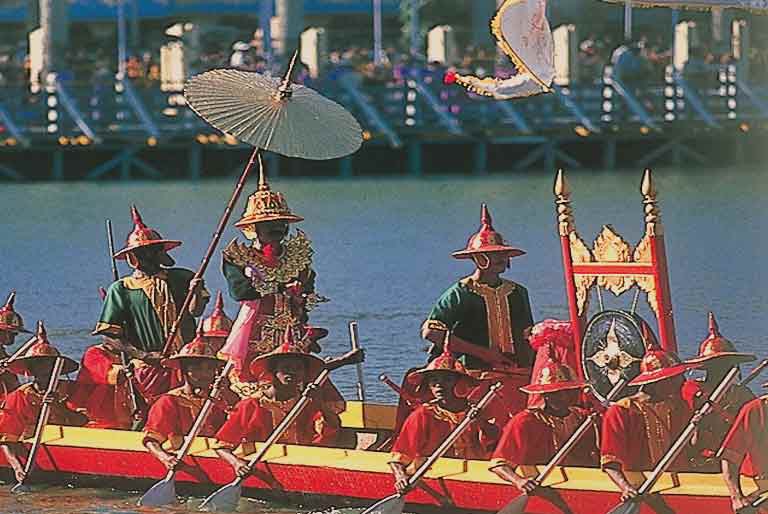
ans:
(444, 385)
(534, 435)
(19, 416)
(717, 355)
(11, 325)
(171, 417)
(283, 374)
(638, 430)
(101, 389)
(217, 326)
(747, 439)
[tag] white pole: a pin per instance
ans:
(377, 45)
(627, 20)
(121, 39)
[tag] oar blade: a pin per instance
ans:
(20, 488)
(628, 507)
(223, 500)
(390, 505)
(162, 493)
(516, 506)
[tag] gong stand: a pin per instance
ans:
(612, 264)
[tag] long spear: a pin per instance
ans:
(517, 505)
(256, 155)
(394, 504)
(633, 506)
(164, 491)
(132, 393)
(42, 420)
(226, 497)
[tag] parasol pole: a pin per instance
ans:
(627, 20)
(377, 33)
(355, 340)
(255, 155)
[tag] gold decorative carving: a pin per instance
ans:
(580, 254)
(653, 226)
(646, 283)
(609, 247)
(565, 223)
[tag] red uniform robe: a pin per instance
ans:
(428, 426)
(254, 419)
(533, 437)
(712, 429)
(637, 432)
(18, 417)
(748, 437)
(173, 414)
(101, 391)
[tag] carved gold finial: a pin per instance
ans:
(562, 192)
(263, 184)
(653, 226)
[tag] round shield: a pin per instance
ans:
(612, 348)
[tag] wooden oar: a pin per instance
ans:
(633, 506)
(408, 399)
(164, 491)
(42, 420)
(353, 337)
(227, 497)
(18, 353)
(489, 355)
(518, 504)
(211, 248)
(754, 506)
(755, 372)
(394, 504)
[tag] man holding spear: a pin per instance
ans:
(140, 310)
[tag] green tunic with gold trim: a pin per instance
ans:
(491, 317)
(142, 309)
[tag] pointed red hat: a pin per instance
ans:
(262, 364)
(141, 235)
(486, 240)
(218, 324)
(40, 350)
(553, 376)
(197, 349)
(9, 318)
(658, 364)
(715, 346)
(443, 363)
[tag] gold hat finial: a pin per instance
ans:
(263, 184)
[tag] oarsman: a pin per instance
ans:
(283, 374)
(717, 355)
(218, 325)
(18, 417)
(747, 439)
(11, 325)
(101, 390)
(139, 310)
(272, 278)
(443, 385)
(490, 312)
(637, 431)
(171, 417)
(534, 435)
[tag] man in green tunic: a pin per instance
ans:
(488, 316)
(139, 310)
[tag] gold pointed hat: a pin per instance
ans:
(553, 376)
(195, 350)
(141, 236)
(486, 240)
(262, 364)
(41, 350)
(9, 318)
(266, 205)
(658, 364)
(218, 324)
(715, 346)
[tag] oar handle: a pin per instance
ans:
(453, 436)
(21, 349)
(203, 414)
(111, 247)
(686, 435)
(209, 252)
(754, 373)
(42, 420)
(287, 420)
(576, 436)
(355, 340)
(397, 389)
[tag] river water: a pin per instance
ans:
(383, 256)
